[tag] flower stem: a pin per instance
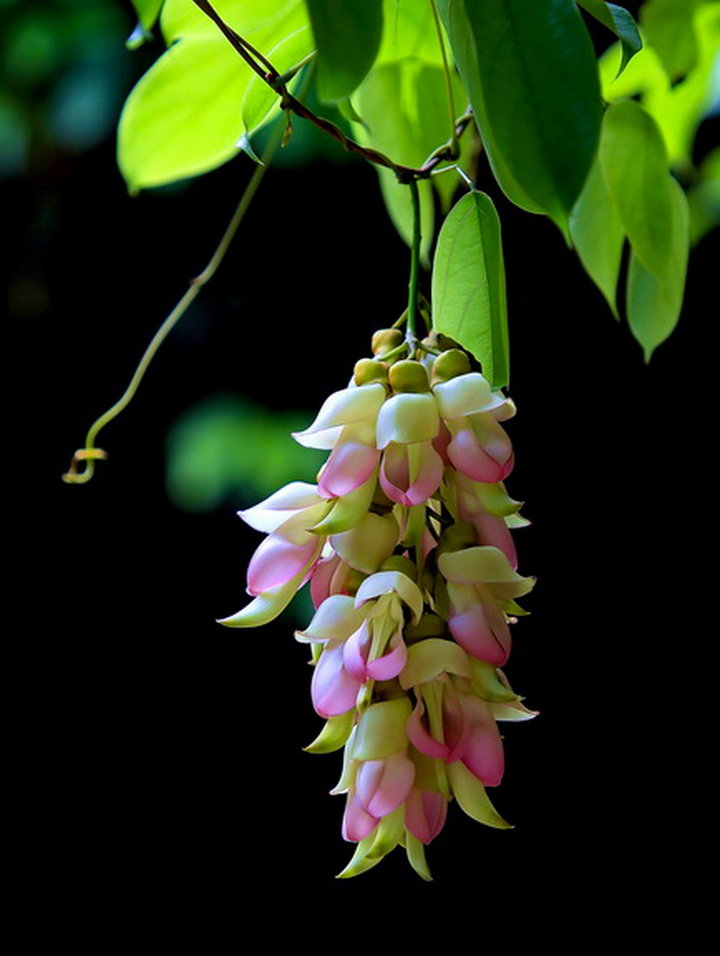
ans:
(412, 311)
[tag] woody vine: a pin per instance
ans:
(406, 538)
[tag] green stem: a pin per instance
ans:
(89, 454)
(412, 313)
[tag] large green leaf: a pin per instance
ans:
(536, 94)
(347, 37)
(654, 301)
(456, 23)
(598, 235)
(184, 116)
(620, 21)
(409, 30)
(250, 18)
(668, 28)
(635, 167)
(468, 285)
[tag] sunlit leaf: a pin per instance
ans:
(183, 117)
(654, 301)
(635, 167)
(347, 37)
(536, 95)
(468, 288)
(668, 28)
(253, 19)
(598, 235)
(620, 21)
(409, 30)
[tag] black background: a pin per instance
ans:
(161, 753)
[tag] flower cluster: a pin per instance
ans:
(405, 541)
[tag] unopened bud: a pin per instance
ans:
(449, 365)
(408, 376)
(368, 371)
(386, 339)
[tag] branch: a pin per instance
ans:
(268, 74)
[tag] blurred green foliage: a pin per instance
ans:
(229, 449)
(64, 72)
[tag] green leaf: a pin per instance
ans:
(534, 86)
(704, 198)
(620, 21)
(347, 36)
(183, 117)
(409, 31)
(654, 301)
(261, 103)
(668, 28)
(598, 235)
(452, 12)
(635, 167)
(468, 285)
(405, 115)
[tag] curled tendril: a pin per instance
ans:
(88, 456)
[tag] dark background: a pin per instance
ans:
(161, 753)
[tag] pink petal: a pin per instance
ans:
(425, 813)
(441, 442)
(355, 653)
(456, 726)
(332, 689)
(357, 824)
(389, 665)
(419, 736)
(494, 531)
(382, 785)
(277, 560)
(469, 458)
(483, 754)
(321, 578)
(350, 464)
(395, 473)
(483, 632)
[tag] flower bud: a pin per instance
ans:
(368, 371)
(408, 376)
(449, 364)
(384, 340)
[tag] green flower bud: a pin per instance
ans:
(368, 371)
(386, 339)
(396, 562)
(449, 365)
(408, 376)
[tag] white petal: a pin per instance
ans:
(406, 418)
(269, 514)
(466, 395)
(345, 407)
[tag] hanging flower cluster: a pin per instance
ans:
(405, 540)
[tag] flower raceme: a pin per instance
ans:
(406, 544)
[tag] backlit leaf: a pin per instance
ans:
(468, 285)
(635, 167)
(260, 102)
(654, 301)
(598, 235)
(347, 37)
